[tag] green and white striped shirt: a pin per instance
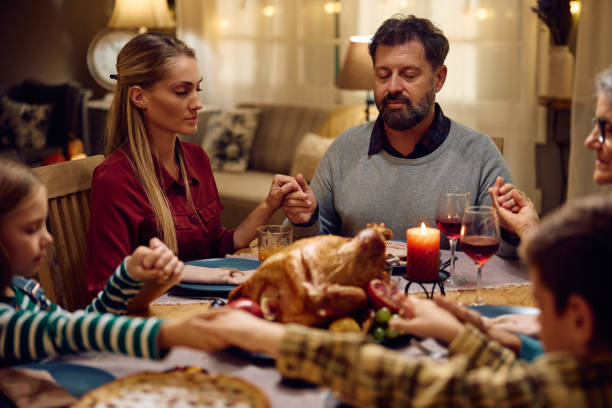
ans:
(32, 329)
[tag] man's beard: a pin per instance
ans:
(409, 116)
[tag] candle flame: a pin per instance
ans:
(423, 229)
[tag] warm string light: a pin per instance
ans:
(575, 7)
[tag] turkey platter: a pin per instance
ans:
(319, 279)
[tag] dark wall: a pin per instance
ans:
(47, 40)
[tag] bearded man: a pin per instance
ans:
(393, 169)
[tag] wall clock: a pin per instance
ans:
(102, 55)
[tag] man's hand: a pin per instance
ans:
(424, 318)
(516, 211)
(155, 263)
(300, 205)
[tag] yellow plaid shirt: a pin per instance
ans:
(480, 373)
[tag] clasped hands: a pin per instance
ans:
(155, 264)
(294, 195)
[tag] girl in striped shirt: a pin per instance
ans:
(31, 327)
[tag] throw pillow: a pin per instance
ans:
(308, 154)
(228, 139)
(23, 125)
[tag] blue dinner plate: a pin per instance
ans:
(496, 310)
(208, 289)
(76, 379)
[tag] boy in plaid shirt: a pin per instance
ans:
(568, 258)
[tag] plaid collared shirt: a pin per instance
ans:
(433, 138)
(480, 373)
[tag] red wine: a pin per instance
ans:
(479, 248)
(451, 227)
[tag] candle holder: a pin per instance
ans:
(442, 276)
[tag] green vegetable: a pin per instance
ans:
(382, 315)
(379, 333)
(391, 333)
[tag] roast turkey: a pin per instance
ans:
(318, 279)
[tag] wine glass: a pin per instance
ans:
(449, 212)
(480, 239)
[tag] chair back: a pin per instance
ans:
(499, 142)
(62, 271)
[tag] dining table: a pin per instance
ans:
(260, 370)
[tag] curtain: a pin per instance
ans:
(593, 54)
(278, 51)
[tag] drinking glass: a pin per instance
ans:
(480, 239)
(449, 213)
(272, 238)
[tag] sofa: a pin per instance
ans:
(38, 120)
(287, 139)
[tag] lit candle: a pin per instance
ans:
(423, 253)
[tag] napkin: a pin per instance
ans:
(203, 274)
(33, 388)
(397, 248)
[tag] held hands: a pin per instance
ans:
(467, 315)
(222, 327)
(443, 319)
(281, 186)
(155, 263)
(516, 211)
(300, 205)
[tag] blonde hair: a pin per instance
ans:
(17, 182)
(143, 61)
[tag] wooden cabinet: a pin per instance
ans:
(552, 158)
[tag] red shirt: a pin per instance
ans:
(121, 217)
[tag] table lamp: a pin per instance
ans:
(357, 70)
(141, 14)
(128, 16)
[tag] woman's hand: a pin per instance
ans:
(155, 263)
(299, 206)
(516, 211)
(467, 315)
(281, 186)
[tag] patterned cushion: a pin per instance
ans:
(228, 139)
(23, 125)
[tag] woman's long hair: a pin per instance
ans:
(143, 61)
(17, 182)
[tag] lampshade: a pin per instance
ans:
(357, 71)
(129, 14)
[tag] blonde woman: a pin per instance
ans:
(153, 184)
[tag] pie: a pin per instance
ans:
(186, 387)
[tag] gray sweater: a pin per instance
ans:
(353, 189)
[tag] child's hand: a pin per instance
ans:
(423, 318)
(156, 263)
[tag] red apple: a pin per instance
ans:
(247, 305)
(385, 294)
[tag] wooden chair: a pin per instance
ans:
(62, 271)
(499, 142)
